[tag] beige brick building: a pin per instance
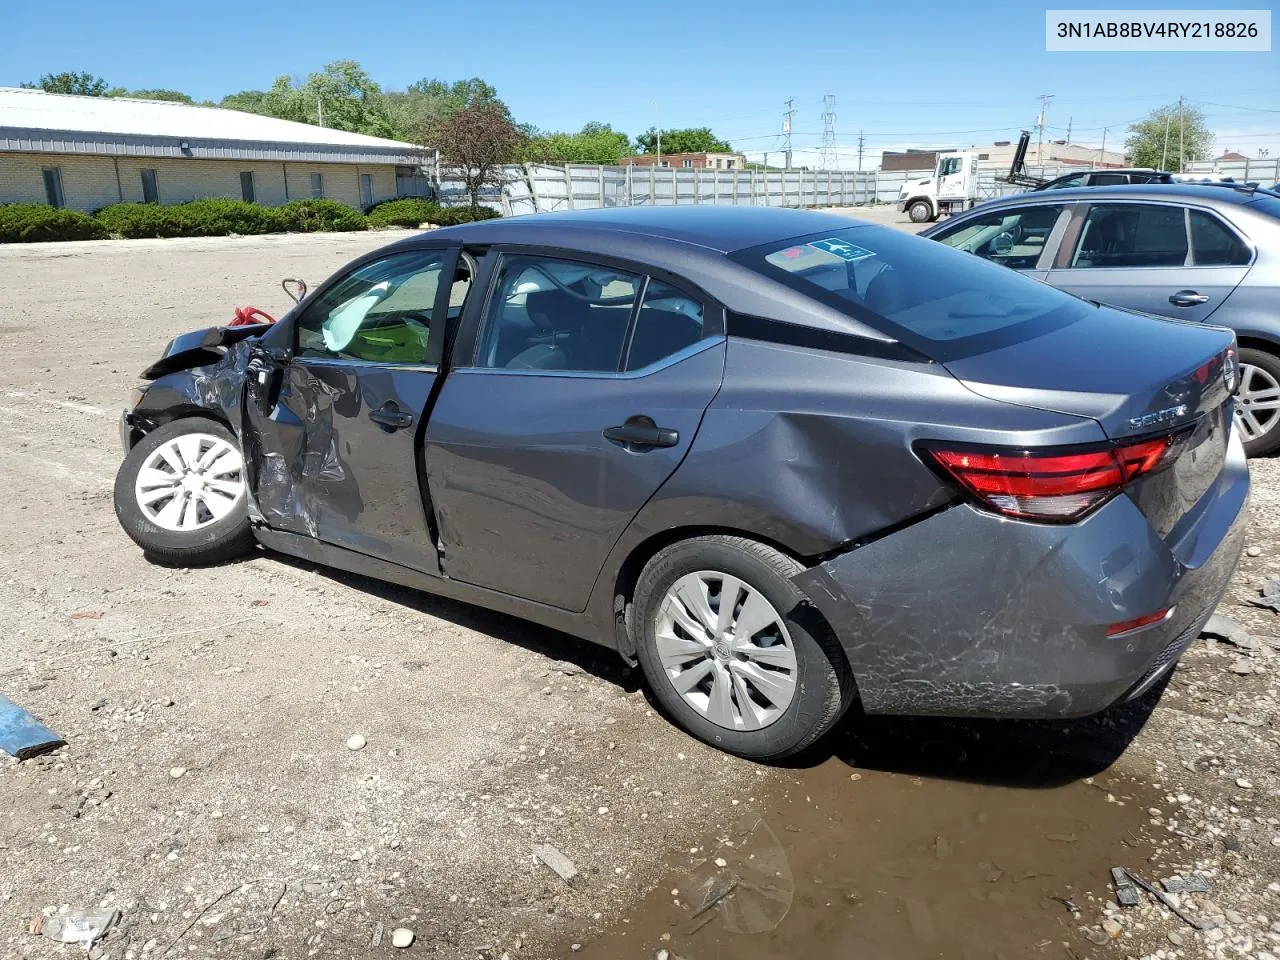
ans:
(89, 152)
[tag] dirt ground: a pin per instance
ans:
(208, 793)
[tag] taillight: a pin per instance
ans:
(1053, 485)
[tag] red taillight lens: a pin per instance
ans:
(1052, 485)
(1139, 623)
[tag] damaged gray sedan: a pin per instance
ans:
(782, 460)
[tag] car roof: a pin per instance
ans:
(1130, 191)
(722, 229)
(1076, 173)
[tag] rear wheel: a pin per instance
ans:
(733, 651)
(1258, 401)
(180, 494)
(920, 211)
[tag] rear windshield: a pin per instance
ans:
(924, 289)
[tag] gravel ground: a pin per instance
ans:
(209, 790)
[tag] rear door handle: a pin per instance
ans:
(390, 416)
(642, 432)
(1188, 298)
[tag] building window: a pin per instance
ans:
(366, 189)
(53, 186)
(150, 190)
(728, 164)
(247, 193)
(686, 163)
(665, 164)
(317, 186)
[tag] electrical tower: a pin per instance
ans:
(786, 128)
(829, 132)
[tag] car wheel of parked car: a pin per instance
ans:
(920, 212)
(180, 493)
(1258, 401)
(733, 651)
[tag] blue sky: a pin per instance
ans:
(921, 74)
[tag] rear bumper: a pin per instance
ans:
(969, 614)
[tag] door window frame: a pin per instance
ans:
(435, 344)
(475, 316)
(1071, 239)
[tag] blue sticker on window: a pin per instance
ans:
(842, 249)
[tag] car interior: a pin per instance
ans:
(1133, 235)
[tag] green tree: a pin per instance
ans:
(686, 140)
(82, 84)
(246, 101)
(594, 143)
(176, 96)
(1169, 137)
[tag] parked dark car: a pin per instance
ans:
(1112, 177)
(1195, 252)
(783, 460)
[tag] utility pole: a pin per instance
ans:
(1181, 155)
(1044, 107)
(861, 140)
(1164, 154)
(657, 110)
(829, 131)
(1069, 119)
(1102, 154)
(786, 128)
(320, 109)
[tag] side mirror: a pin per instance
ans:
(296, 289)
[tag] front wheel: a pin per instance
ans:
(1258, 402)
(181, 495)
(734, 652)
(920, 212)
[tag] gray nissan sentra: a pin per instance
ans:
(783, 460)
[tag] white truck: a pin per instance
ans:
(952, 188)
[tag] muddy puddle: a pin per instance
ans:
(915, 839)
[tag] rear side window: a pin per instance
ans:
(1010, 237)
(1214, 244)
(922, 288)
(1132, 235)
(668, 322)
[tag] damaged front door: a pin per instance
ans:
(334, 427)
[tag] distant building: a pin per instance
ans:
(1232, 155)
(89, 152)
(688, 161)
(999, 155)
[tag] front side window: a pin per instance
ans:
(552, 314)
(53, 186)
(379, 313)
(1065, 182)
(668, 321)
(1214, 244)
(1011, 237)
(150, 186)
(1108, 179)
(949, 166)
(1132, 235)
(924, 290)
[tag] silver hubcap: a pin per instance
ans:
(1258, 403)
(190, 482)
(726, 650)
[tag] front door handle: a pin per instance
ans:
(642, 432)
(1188, 298)
(391, 417)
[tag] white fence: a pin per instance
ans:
(537, 188)
(1266, 172)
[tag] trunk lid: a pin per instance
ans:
(1137, 376)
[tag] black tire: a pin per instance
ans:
(824, 687)
(1268, 442)
(919, 211)
(214, 542)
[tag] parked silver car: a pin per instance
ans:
(1188, 251)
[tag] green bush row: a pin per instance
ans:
(34, 222)
(414, 211)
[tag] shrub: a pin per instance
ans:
(314, 216)
(405, 212)
(452, 216)
(38, 222)
(218, 218)
(137, 220)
